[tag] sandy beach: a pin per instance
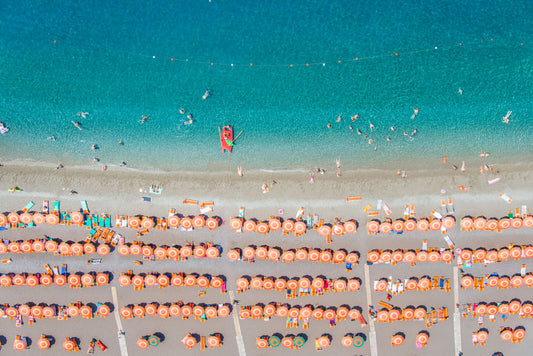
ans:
(116, 191)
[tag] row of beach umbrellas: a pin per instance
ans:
(501, 282)
(422, 339)
(74, 280)
(259, 311)
(408, 313)
(515, 306)
(45, 342)
(320, 284)
(173, 221)
(431, 223)
(424, 283)
(49, 311)
(288, 341)
(139, 281)
(481, 254)
(250, 253)
(409, 256)
(211, 341)
(54, 246)
(209, 250)
(167, 310)
(508, 334)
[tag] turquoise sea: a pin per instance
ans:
(121, 60)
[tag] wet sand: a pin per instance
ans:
(116, 191)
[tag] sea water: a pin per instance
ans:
(279, 71)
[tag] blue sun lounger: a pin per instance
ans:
(56, 206)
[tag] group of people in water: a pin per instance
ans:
(372, 127)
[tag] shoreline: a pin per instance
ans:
(119, 190)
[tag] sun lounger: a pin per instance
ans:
(56, 206)
(28, 206)
(524, 211)
(155, 190)
(451, 208)
(436, 214)
(206, 209)
(449, 241)
(412, 211)
(84, 207)
(45, 210)
(300, 213)
(386, 209)
(190, 202)
(372, 213)
(425, 245)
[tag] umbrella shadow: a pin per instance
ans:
(196, 337)
(303, 336)
(3, 340)
(110, 306)
(279, 335)
(400, 333)
(76, 340)
(160, 335)
(110, 275)
(361, 335)
(51, 339)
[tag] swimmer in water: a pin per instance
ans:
(460, 91)
(339, 118)
(188, 122)
(94, 147)
(372, 127)
(206, 95)
(329, 126)
(358, 131)
(182, 111)
(355, 117)
(365, 136)
(370, 141)
(120, 143)
(51, 138)
(415, 112)
(83, 114)
(77, 124)
(388, 139)
(189, 116)
(392, 128)
(351, 128)
(143, 120)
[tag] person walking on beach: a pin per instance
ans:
(338, 167)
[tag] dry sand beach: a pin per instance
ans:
(116, 191)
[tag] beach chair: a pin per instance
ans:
(300, 213)
(436, 214)
(449, 241)
(305, 324)
(412, 211)
(202, 343)
(56, 207)
(450, 208)
(524, 211)
(45, 209)
(28, 206)
(425, 245)
(84, 207)
(373, 213)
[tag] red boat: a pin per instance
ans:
(226, 138)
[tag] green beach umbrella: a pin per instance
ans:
(299, 341)
(153, 340)
(358, 341)
(274, 341)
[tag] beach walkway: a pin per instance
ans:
(240, 342)
(456, 314)
(372, 333)
(121, 338)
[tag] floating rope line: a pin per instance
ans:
(323, 63)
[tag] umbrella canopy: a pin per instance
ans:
(274, 341)
(154, 340)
